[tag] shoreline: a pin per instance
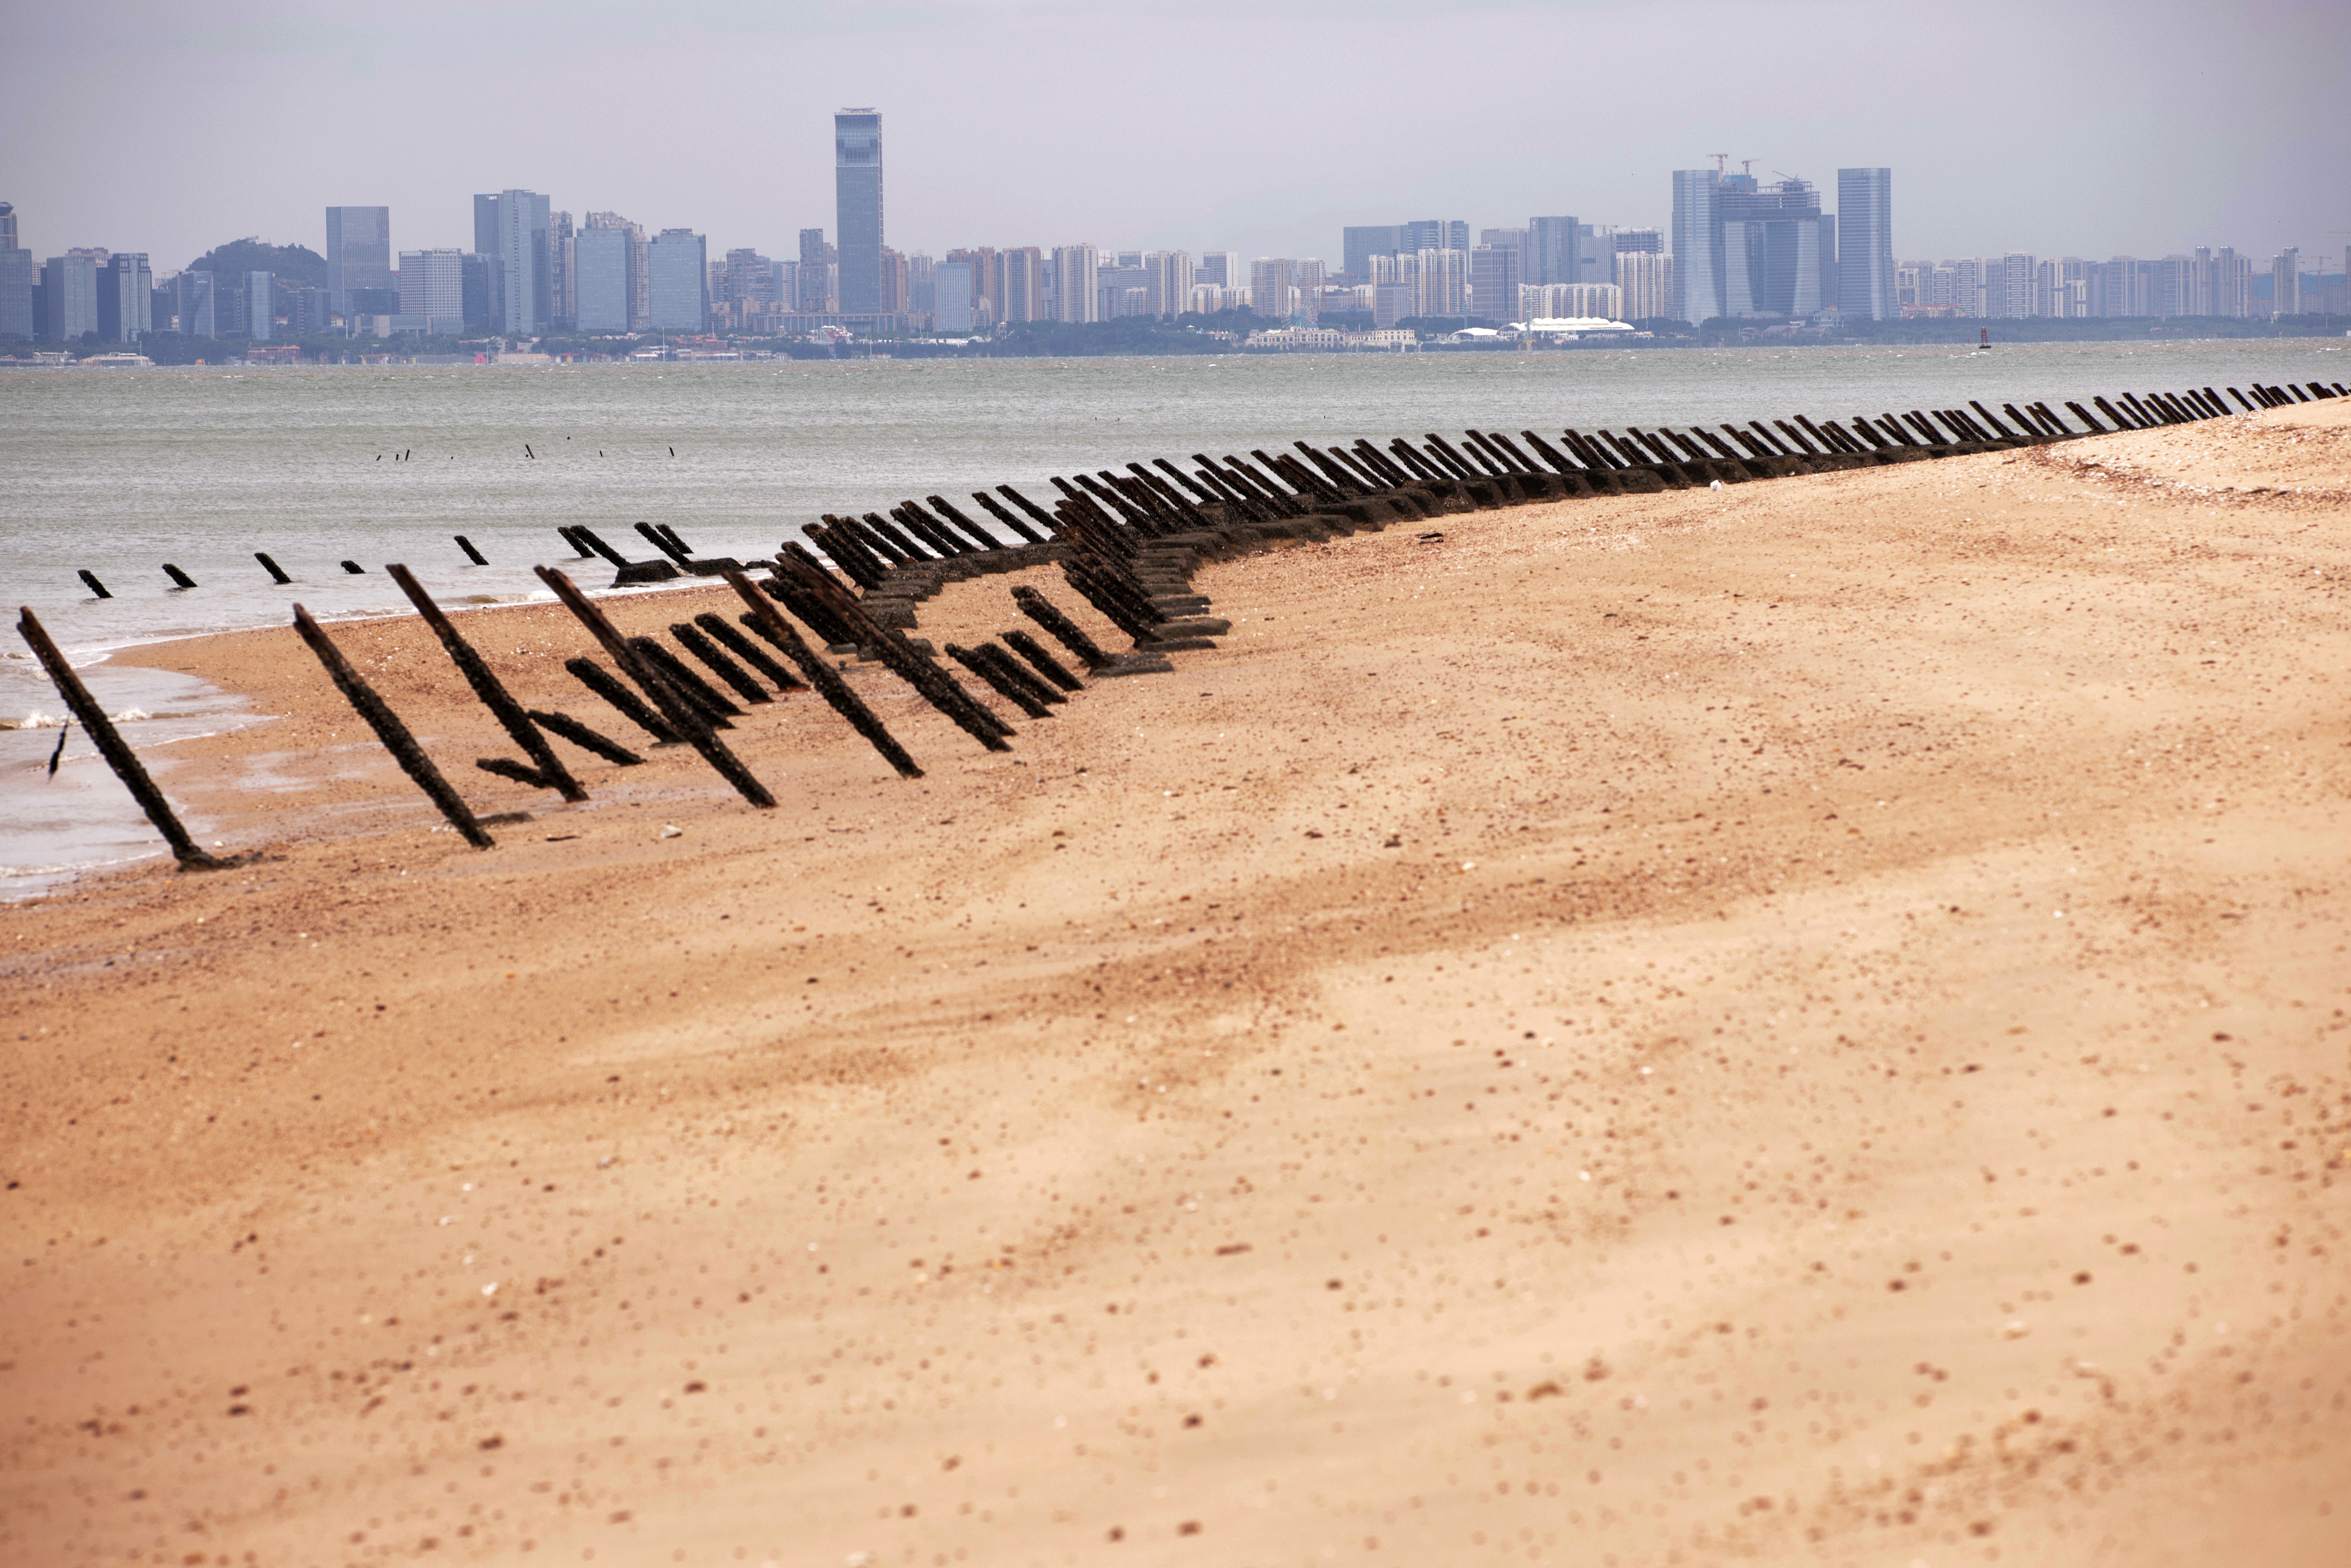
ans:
(1785, 1022)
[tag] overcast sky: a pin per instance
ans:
(1258, 126)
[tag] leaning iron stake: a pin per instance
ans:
(765, 619)
(391, 732)
(935, 685)
(489, 688)
(681, 716)
(111, 746)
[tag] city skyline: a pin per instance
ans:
(2036, 154)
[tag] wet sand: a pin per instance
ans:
(1804, 1024)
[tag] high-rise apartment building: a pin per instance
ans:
(1605, 301)
(511, 228)
(748, 280)
(820, 265)
(1222, 268)
(1024, 284)
(1865, 276)
(562, 309)
(857, 193)
(1444, 283)
(2285, 283)
(359, 252)
(1697, 246)
(1167, 284)
(1644, 284)
(679, 262)
(126, 293)
(69, 296)
(1080, 299)
(431, 293)
(922, 283)
(987, 283)
(1273, 288)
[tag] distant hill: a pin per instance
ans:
(296, 267)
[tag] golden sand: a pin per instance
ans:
(1804, 1024)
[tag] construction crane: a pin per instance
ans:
(1721, 162)
(1747, 167)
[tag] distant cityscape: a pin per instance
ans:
(1737, 251)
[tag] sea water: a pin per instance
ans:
(122, 471)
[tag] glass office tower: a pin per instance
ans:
(1697, 250)
(857, 190)
(1865, 243)
(601, 283)
(679, 260)
(359, 252)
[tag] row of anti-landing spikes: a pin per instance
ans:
(694, 710)
(181, 580)
(873, 547)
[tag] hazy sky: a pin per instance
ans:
(1261, 126)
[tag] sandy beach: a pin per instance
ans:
(1806, 1023)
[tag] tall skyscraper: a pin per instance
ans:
(1444, 283)
(15, 279)
(1864, 245)
(260, 306)
(857, 195)
(1771, 243)
(1494, 279)
(432, 292)
(1075, 265)
(603, 273)
(680, 260)
(1434, 234)
(1698, 248)
(510, 228)
(70, 296)
(196, 308)
(635, 301)
(125, 297)
(359, 252)
(1359, 244)
(1550, 255)
(1221, 267)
